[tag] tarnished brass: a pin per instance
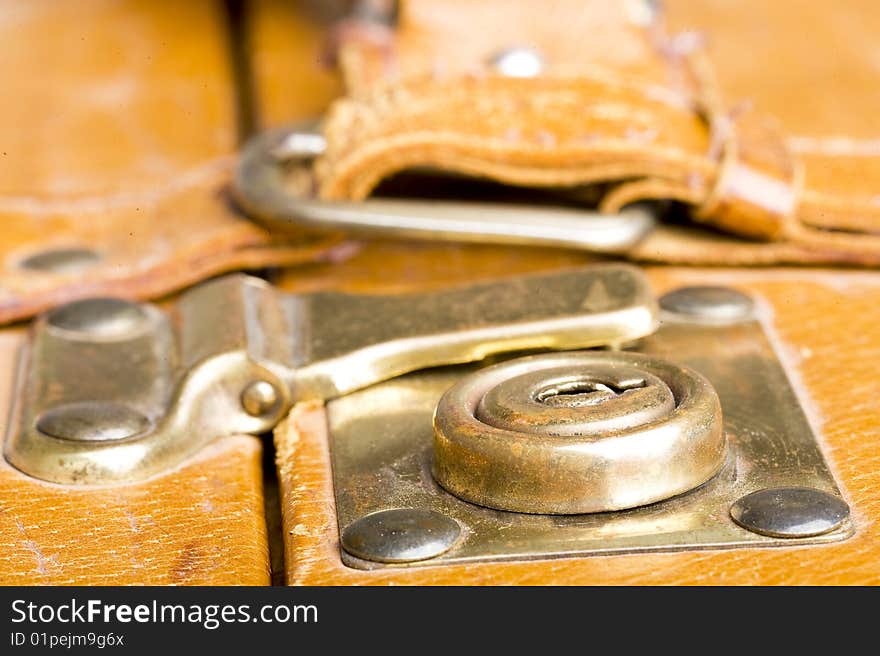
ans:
(381, 445)
(113, 391)
(400, 535)
(535, 435)
(707, 304)
(92, 421)
(99, 319)
(790, 512)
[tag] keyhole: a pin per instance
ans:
(577, 393)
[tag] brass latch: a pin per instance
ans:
(449, 444)
(691, 438)
(114, 391)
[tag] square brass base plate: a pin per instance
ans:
(381, 448)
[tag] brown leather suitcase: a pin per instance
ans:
(751, 135)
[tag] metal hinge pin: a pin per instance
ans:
(260, 398)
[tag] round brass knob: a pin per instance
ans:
(571, 433)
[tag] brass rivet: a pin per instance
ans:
(712, 304)
(518, 62)
(99, 318)
(790, 512)
(61, 260)
(92, 421)
(259, 398)
(400, 535)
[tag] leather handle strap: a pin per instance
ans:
(630, 105)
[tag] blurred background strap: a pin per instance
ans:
(121, 121)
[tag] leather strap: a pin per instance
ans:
(119, 131)
(619, 101)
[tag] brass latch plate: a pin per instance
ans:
(697, 419)
(112, 391)
(381, 449)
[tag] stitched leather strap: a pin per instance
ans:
(618, 100)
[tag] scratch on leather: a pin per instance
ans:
(44, 562)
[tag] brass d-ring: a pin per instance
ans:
(262, 192)
(581, 432)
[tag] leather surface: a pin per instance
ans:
(119, 131)
(823, 326)
(634, 105)
(199, 524)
